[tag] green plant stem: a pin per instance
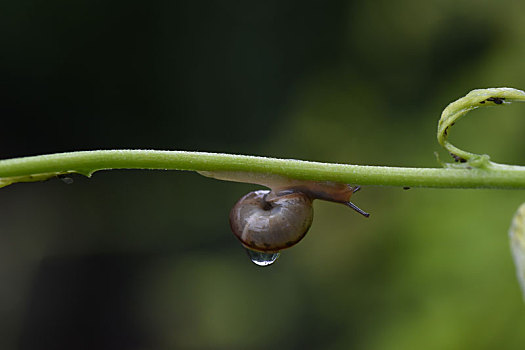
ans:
(472, 171)
(42, 167)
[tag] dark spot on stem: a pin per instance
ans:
(496, 100)
(406, 187)
(458, 158)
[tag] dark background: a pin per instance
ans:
(145, 260)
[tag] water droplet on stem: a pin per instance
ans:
(65, 179)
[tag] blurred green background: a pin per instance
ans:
(145, 260)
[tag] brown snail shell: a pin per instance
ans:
(266, 222)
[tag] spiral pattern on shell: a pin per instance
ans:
(270, 223)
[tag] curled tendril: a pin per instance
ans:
(452, 113)
(457, 109)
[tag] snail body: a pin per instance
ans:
(268, 221)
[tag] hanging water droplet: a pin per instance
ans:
(65, 179)
(261, 258)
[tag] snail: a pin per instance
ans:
(268, 221)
